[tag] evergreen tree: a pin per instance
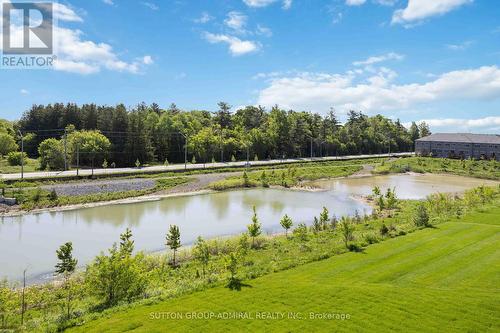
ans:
(324, 218)
(174, 240)
(286, 222)
(65, 267)
(255, 228)
(126, 243)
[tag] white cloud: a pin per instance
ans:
(86, 57)
(204, 18)
(237, 46)
(486, 124)
(181, 76)
(108, 2)
(75, 67)
(354, 2)
(147, 60)
(264, 3)
(78, 55)
(287, 4)
(236, 21)
(264, 31)
(418, 10)
(62, 12)
(362, 2)
(386, 2)
(24, 92)
(460, 47)
(320, 91)
(150, 5)
(378, 59)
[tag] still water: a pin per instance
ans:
(30, 241)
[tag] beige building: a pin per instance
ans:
(459, 145)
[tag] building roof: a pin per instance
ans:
(463, 137)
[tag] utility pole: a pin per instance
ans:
(248, 157)
(77, 159)
(23, 304)
(221, 147)
(185, 150)
(22, 153)
(65, 151)
(311, 148)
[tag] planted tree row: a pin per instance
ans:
(148, 134)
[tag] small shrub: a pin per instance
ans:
(14, 158)
(384, 230)
(421, 216)
(300, 232)
(53, 195)
(371, 238)
(353, 247)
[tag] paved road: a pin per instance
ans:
(180, 167)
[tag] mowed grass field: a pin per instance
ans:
(444, 279)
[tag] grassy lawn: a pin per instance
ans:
(442, 279)
(30, 165)
(470, 168)
(290, 176)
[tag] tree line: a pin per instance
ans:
(149, 134)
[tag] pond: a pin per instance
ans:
(30, 241)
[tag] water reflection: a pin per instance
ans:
(31, 240)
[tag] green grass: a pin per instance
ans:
(442, 279)
(30, 165)
(471, 168)
(290, 176)
(34, 198)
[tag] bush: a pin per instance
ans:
(384, 230)
(14, 158)
(53, 195)
(371, 239)
(354, 247)
(421, 217)
(300, 232)
(7, 144)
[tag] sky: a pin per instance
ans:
(413, 60)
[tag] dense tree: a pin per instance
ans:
(151, 134)
(51, 152)
(89, 145)
(424, 129)
(7, 144)
(117, 276)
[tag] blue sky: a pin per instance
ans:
(433, 60)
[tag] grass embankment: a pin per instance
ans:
(445, 277)
(30, 165)
(291, 176)
(34, 198)
(471, 168)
